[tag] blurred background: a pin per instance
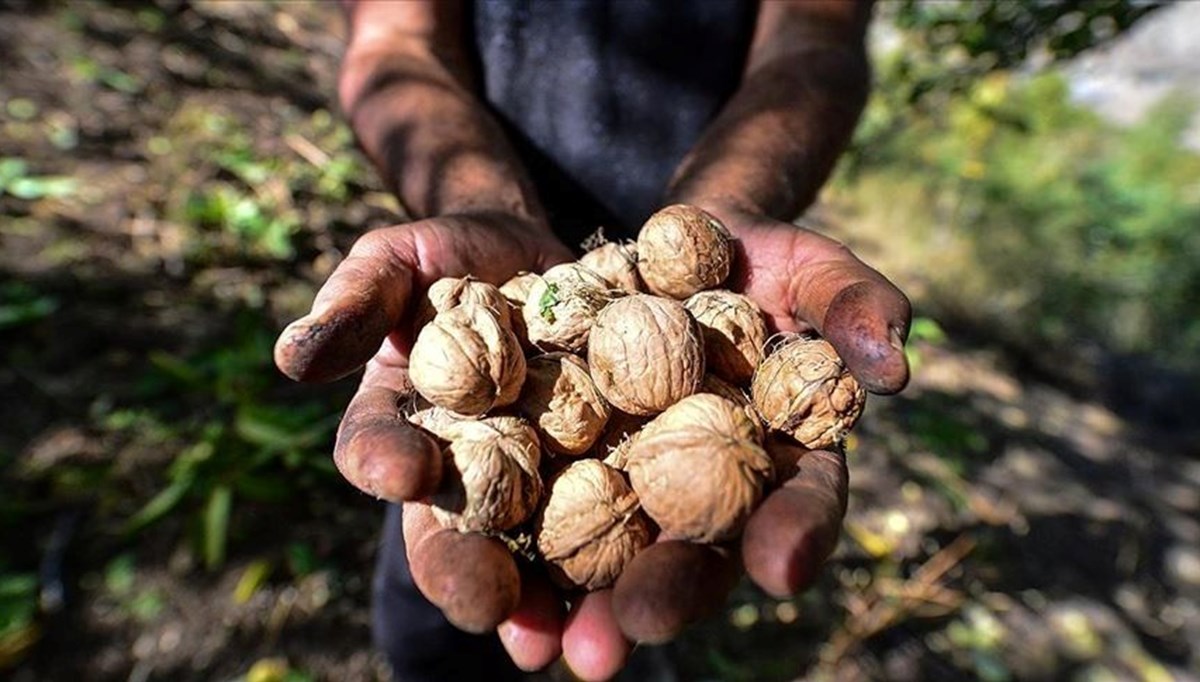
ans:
(175, 182)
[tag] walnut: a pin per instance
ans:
(737, 396)
(734, 333)
(468, 361)
(622, 429)
(563, 403)
(491, 481)
(683, 249)
(646, 353)
(697, 470)
(590, 526)
(562, 305)
(449, 292)
(804, 389)
(617, 264)
(516, 290)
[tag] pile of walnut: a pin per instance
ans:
(618, 399)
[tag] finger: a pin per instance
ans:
(867, 322)
(362, 301)
(670, 585)
(593, 645)
(472, 578)
(793, 532)
(533, 634)
(377, 450)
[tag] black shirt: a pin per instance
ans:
(604, 99)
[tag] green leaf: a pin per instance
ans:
(30, 188)
(253, 578)
(547, 302)
(216, 526)
(120, 575)
(926, 329)
(158, 506)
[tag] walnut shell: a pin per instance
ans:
(439, 421)
(646, 353)
(516, 290)
(490, 481)
(804, 389)
(717, 386)
(735, 333)
(622, 429)
(683, 249)
(450, 292)
(467, 361)
(590, 526)
(697, 470)
(562, 306)
(562, 403)
(617, 264)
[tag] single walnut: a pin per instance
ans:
(516, 290)
(737, 396)
(468, 361)
(439, 421)
(804, 389)
(562, 305)
(450, 292)
(617, 264)
(589, 526)
(562, 402)
(490, 481)
(646, 354)
(697, 470)
(683, 249)
(734, 333)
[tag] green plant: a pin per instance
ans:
(16, 180)
(18, 616)
(240, 445)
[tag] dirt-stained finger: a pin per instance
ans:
(793, 532)
(867, 322)
(670, 585)
(361, 302)
(472, 578)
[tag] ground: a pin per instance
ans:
(177, 183)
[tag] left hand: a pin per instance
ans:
(801, 280)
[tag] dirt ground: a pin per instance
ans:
(1002, 525)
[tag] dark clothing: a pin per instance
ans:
(604, 99)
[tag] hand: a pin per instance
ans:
(802, 281)
(361, 316)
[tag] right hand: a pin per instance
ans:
(362, 316)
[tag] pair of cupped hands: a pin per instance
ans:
(361, 317)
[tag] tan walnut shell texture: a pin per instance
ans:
(467, 361)
(590, 526)
(450, 292)
(682, 250)
(646, 354)
(563, 404)
(718, 386)
(617, 264)
(492, 481)
(804, 389)
(562, 305)
(735, 333)
(516, 290)
(697, 470)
